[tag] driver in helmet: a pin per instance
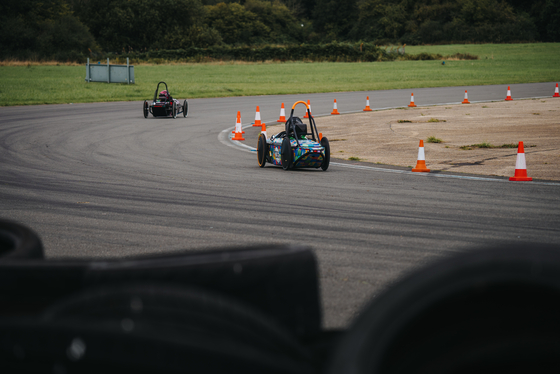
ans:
(165, 96)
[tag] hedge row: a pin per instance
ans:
(332, 52)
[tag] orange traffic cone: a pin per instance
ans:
(412, 105)
(466, 101)
(282, 114)
(320, 136)
(238, 130)
(257, 118)
(335, 109)
(367, 108)
(421, 163)
(556, 94)
(309, 106)
(520, 166)
(508, 97)
(263, 130)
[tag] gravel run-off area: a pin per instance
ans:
(476, 138)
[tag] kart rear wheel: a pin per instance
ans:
(146, 109)
(262, 150)
(185, 108)
(327, 158)
(174, 110)
(287, 154)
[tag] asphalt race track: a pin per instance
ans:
(99, 180)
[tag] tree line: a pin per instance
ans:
(74, 29)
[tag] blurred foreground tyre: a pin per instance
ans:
(18, 242)
(150, 328)
(493, 311)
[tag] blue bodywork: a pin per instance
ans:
(309, 154)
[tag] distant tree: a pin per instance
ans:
(437, 21)
(124, 25)
(335, 19)
(284, 26)
(236, 24)
(47, 28)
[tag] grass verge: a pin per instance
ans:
(498, 64)
(433, 139)
(487, 145)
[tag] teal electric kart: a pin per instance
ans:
(292, 148)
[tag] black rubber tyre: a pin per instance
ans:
(174, 110)
(146, 109)
(187, 326)
(18, 242)
(185, 108)
(490, 311)
(327, 159)
(287, 154)
(262, 150)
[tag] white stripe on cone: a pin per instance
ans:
(238, 125)
(309, 106)
(520, 162)
(257, 116)
(421, 156)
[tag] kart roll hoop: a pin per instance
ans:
(157, 90)
(314, 133)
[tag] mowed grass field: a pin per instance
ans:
(497, 64)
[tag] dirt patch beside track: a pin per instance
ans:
(392, 136)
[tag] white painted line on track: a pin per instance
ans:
(225, 137)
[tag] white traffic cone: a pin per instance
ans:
(257, 118)
(282, 114)
(508, 97)
(309, 106)
(412, 105)
(466, 101)
(335, 108)
(367, 108)
(421, 163)
(520, 166)
(238, 129)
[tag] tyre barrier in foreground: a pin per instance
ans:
(248, 310)
(18, 242)
(492, 311)
(150, 328)
(278, 281)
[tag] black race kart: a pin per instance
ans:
(164, 105)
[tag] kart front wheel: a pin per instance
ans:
(327, 158)
(146, 109)
(174, 110)
(287, 154)
(262, 150)
(185, 108)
